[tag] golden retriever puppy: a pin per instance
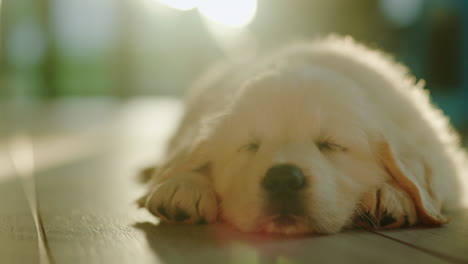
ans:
(314, 138)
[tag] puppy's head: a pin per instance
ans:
(292, 154)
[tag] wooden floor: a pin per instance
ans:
(86, 157)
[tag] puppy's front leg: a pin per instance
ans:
(187, 197)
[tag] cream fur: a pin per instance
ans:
(400, 157)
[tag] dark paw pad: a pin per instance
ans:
(162, 211)
(181, 216)
(387, 220)
(202, 221)
(406, 223)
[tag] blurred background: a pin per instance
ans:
(53, 49)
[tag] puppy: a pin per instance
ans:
(313, 138)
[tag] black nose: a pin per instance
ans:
(284, 178)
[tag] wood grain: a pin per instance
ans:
(449, 241)
(18, 235)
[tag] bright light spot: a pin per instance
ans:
(402, 12)
(180, 4)
(234, 13)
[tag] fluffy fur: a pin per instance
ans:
(374, 151)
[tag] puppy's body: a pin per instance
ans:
(362, 136)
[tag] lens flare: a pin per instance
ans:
(237, 13)
(232, 13)
(180, 4)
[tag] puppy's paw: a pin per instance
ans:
(187, 198)
(387, 207)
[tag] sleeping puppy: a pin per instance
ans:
(314, 138)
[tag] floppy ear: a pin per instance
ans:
(413, 181)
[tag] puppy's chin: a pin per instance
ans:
(285, 225)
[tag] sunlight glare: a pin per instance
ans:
(232, 13)
(237, 13)
(180, 4)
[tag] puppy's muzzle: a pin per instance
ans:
(283, 181)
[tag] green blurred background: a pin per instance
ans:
(125, 48)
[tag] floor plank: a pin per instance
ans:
(88, 213)
(449, 241)
(18, 235)
(215, 244)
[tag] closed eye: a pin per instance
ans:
(328, 145)
(251, 147)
